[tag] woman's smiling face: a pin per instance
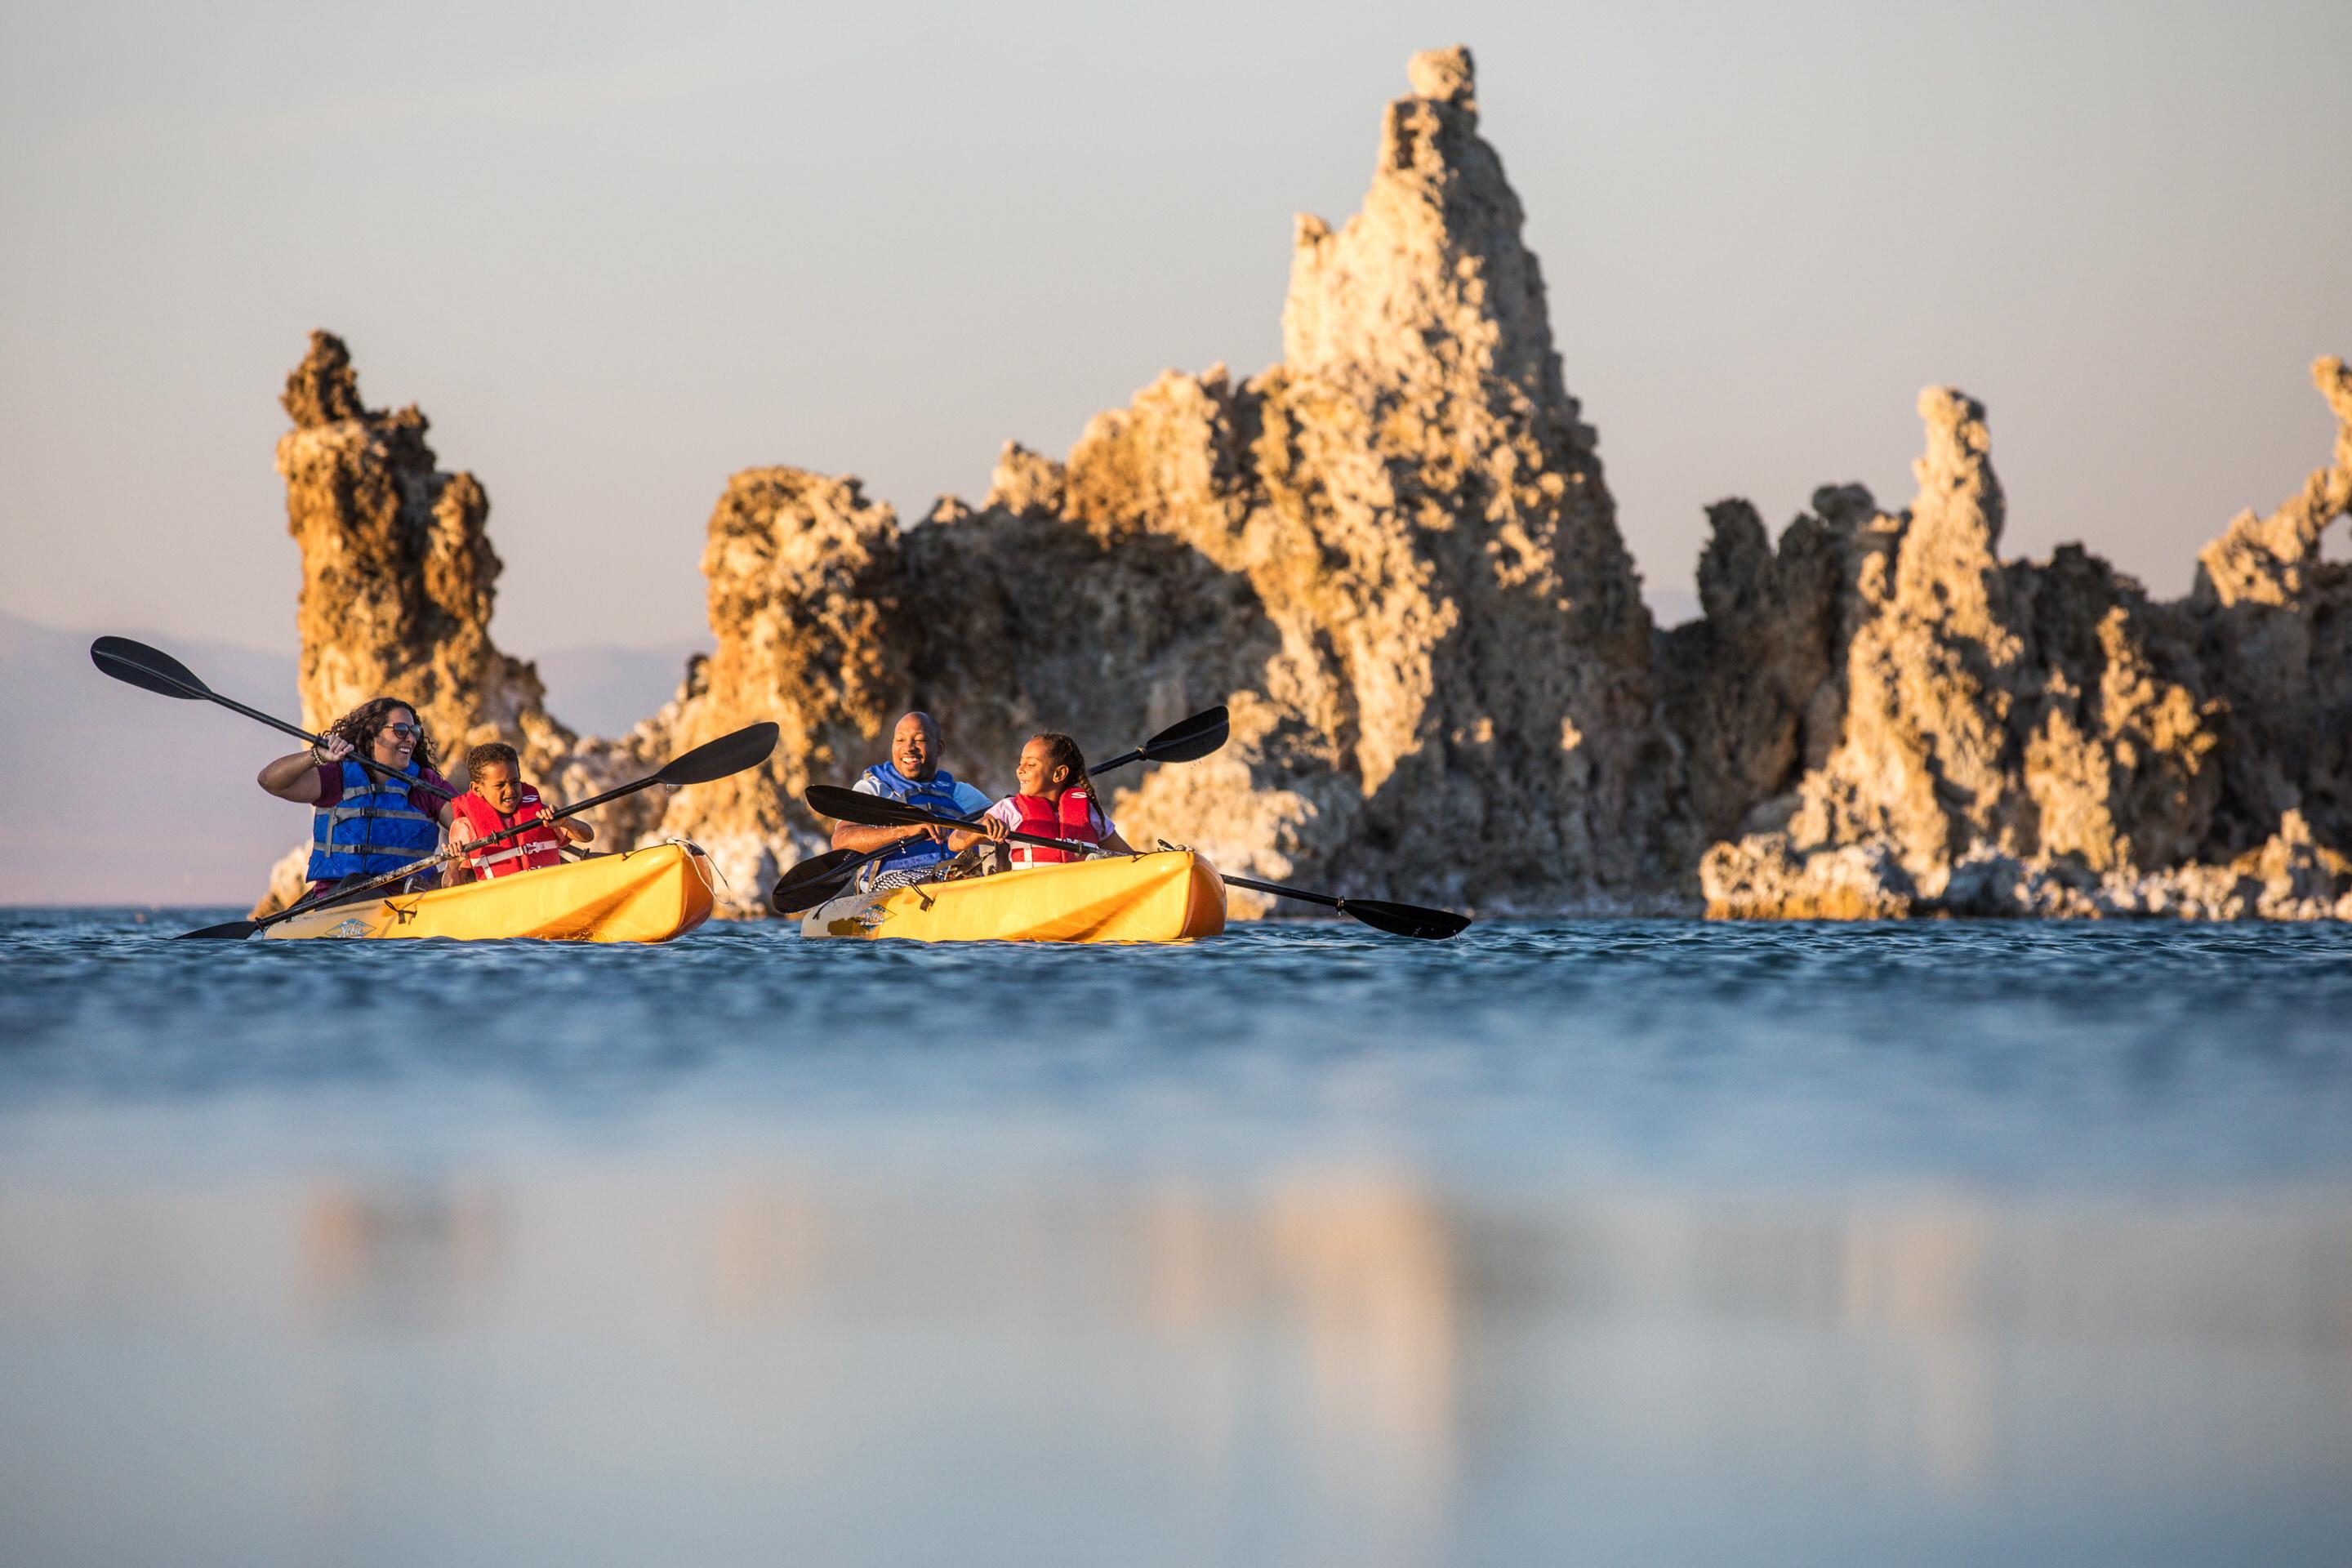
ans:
(397, 742)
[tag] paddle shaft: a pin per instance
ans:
(303, 906)
(1325, 900)
(1015, 835)
(152, 669)
(370, 763)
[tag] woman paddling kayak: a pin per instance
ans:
(365, 825)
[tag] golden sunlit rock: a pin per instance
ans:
(1394, 556)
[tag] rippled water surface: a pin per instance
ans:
(1599, 1241)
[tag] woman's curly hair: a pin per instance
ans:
(363, 723)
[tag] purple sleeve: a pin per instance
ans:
(425, 800)
(330, 784)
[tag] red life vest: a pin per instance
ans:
(1072, 818)
(534, 846)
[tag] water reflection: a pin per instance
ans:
(406, 1256)
(1601, 1242)
(1316, 1365)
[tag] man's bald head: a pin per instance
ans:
(915, 746)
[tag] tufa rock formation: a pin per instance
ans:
(2038, 737)
(804, 576)
(398, 578)
(1393, 554)
(397, 569)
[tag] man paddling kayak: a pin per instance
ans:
(365, 825)
(913, 776)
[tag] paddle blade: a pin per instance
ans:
(234, 930)
(864, 810)
(746, 748)
(1188, 739)
(1406, 919)
(813, 881)
(148, 668)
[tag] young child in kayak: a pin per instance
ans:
(1053, 799)
(497, 798)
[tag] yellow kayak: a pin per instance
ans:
(644, 895)
(1169, 895)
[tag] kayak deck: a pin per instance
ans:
(1172, 895)
(641, 895)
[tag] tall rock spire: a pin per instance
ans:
(1432, 276)
(398, 579)
(398, 575)
(1392, 555)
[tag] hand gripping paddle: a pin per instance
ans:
(152, 669)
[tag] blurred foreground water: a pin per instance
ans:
(1605, 1241)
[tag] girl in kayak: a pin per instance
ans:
(364, 824)
(496, 799)
(1053, 799)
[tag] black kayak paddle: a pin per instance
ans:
(1402, 919)
(1186, 741)
(746, 748)
(824, 877)
(152, 669)
(819, 878)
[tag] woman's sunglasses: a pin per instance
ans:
(403, 732)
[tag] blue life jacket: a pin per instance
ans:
(372, 829)
(936, 792)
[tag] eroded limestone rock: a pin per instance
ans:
(1394, 556)
(398, 580)
(398, 573)
(2040, 738)
(806, 577)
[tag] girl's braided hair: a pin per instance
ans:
(1061, 752)
(363, 723)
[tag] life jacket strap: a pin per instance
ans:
(512, 852)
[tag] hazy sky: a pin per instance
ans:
(617, 254)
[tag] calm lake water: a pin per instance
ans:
(1608, 1242)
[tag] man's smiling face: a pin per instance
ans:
(915, 747)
